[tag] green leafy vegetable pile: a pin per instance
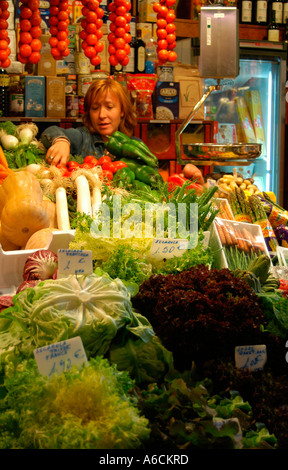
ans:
(96, 308)
(87, 409)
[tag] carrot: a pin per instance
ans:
(3, 160)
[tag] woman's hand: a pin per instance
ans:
(58, 153)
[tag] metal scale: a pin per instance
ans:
(219, 59)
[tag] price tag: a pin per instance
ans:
(74, 262)
(250, 357)
(164, 248)
(59, 357)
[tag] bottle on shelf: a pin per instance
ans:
(151, 55)
(4, 93)
(260, 13)
(130, 67)
(140, 49)
(246, 10)
(16, 97)
(273, 29)
(277, 6)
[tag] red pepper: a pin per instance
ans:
(104, 159)
(175, 180)
(91, 159)
(198, 187)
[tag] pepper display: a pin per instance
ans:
(148, 175)
(120, 146)
(124, 177)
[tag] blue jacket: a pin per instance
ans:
(82, 142)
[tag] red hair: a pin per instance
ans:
(97, 88)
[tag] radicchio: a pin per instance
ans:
(26, 284)
(5, 302)
(41, 265)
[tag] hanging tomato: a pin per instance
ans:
(4, 39)
(30, 30)
(119, 36)
(165, 30)
(91, 32)
(59, 22)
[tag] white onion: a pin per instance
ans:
(9, 141)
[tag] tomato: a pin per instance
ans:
(4, 53)
(3, 44)
(90, 52)
(73, 165)
(25, 50)
(104, 159)
(91, 16)
(172, 56)
(36, 32)
(119, 43)
(26, 13)
(87, 166)
(63, 169)
(4, 24)
(3, 34)
(91, 28)
(91, 39)
(91, 159)
(110, 166)
(35, 57)
(119, 165)
(120, 54)
(107, 174)
(36, 45)
(6, 63)
(113, 60)
(25, 37)
(161, 33)
(96, 60)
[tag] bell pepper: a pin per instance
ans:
(114, 146)
(178, 180)
(148, 175)
(121, 137)
(123, 177)
(137, 143)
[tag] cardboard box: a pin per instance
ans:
(34, 96)
(146, 12)
(190, 90)
(47, 64)
(146, 30)
(167, 100)
(55, 97)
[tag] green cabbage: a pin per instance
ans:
(96, 308)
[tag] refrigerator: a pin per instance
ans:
(251, 108)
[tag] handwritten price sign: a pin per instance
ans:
(250, 357)
(168, 247)
(74, 262)
(59, 357)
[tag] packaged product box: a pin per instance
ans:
(227, 133)
(146, 30)
(47, 64)
(245, 120)
(55, 97)
(254, 105)
(146, 12)
(167, 100)
(72, 106)
(76, 10)
(34, 96)
(190, 90)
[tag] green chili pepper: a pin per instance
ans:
(148, 175)
(142, 146)
(123, 177)
(121, 137)
(114, 146)
(132, 164)
(130, 150)
(139, 185)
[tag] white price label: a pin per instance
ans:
(74, 262)
(250, 357)
(163, 248)
(59, 357)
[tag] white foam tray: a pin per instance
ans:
(12, 262)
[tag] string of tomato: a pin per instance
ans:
(119, 36)
(30, 32)
(166, 37)
(4, 39)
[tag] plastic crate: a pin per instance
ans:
(12, 262)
